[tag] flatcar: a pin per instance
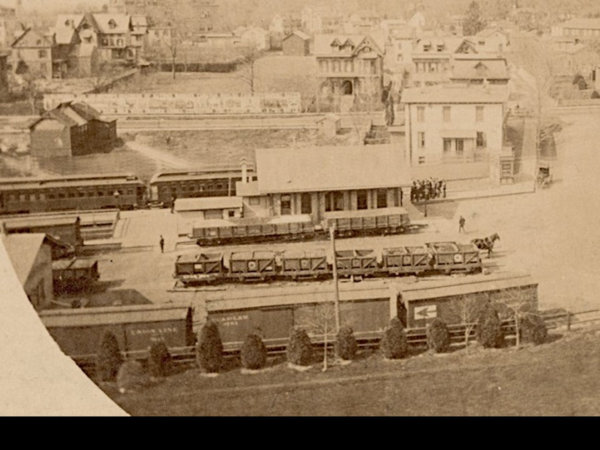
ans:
(212, 181)
(366, 307)
(72, 275)
(77, 192)
(301, 227)
(431, 258)
(78, 332)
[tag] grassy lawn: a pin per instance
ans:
(530, 381)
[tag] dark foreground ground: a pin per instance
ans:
(557, 378)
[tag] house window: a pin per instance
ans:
(105, 41)
(420, 113)
(43, 67)
(120, 42)
(480, 139)
(286, 205)
(362, 199)
(306, 204)
(460, 146)
(447, 145)
(382, 198)
(421, 139)
(112, 24)
(447, 116)
(479, 113)
(42, 53)
(421, 160)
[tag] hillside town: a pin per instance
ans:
(300, 191)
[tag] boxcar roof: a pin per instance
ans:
(468, 285)
(107, 315)
(204, 203)
(200, 174)
(268, 297)
(365, 213)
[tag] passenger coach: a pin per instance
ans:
(78, 192)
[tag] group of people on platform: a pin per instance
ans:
(423, 190)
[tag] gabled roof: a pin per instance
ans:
(23, 248)
(66, 26)
(70, 114)
(325, 44)
(112, 23)
(494, 69)
(32, 39)
(300, 34)
(456, 94)
(329, 168)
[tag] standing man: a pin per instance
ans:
(461, 224)
(162, 244)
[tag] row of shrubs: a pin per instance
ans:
(253, 354)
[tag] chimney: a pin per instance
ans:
(244, 171)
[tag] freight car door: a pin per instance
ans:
(275, 325)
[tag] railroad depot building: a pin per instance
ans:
(316, 180)
(454, 123)
(71, 129)
(31, 258)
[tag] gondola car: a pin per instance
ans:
(75, 192)
(72, 275)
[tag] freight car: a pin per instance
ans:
(366, 307)
(436, 257)
(72, 275)
(213, 181)
(76, 192)
(78, 332)
(300, 227)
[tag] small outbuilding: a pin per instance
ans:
(71, 129)
(296, 44)
(31, 258)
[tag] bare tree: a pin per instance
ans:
(320, 321)
(248, 60)
(516, 305)
(467, 309)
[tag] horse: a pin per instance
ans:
(486, 243)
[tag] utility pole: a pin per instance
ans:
(335, 280)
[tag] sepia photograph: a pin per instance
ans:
(299, 208)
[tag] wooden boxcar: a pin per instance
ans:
(253, 265)
(420, 303)
(252, 230)
(368, 221)
(200, 268)
(406, 260)
(305, 264)
(272, 312)
(71, 275)
(356, 263)
(213, 181)
(78, 332)
(65, 229)
(450, 256)
(84, 192)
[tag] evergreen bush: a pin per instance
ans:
(159, 360)
(108, 358)
(438, 336)
(533, 329)
(345, 344)
(489, 329)
(209, 350)
(300, 350)
(253, 353)
(394, 343)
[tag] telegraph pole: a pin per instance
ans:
(335, 280)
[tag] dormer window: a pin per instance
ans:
(427, 47)
(440, 47)
(67, 22)
(112, 24)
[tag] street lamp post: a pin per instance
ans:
(335, 280)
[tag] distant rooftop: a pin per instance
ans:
(582, 23)
(456, 94)
(327, 168)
